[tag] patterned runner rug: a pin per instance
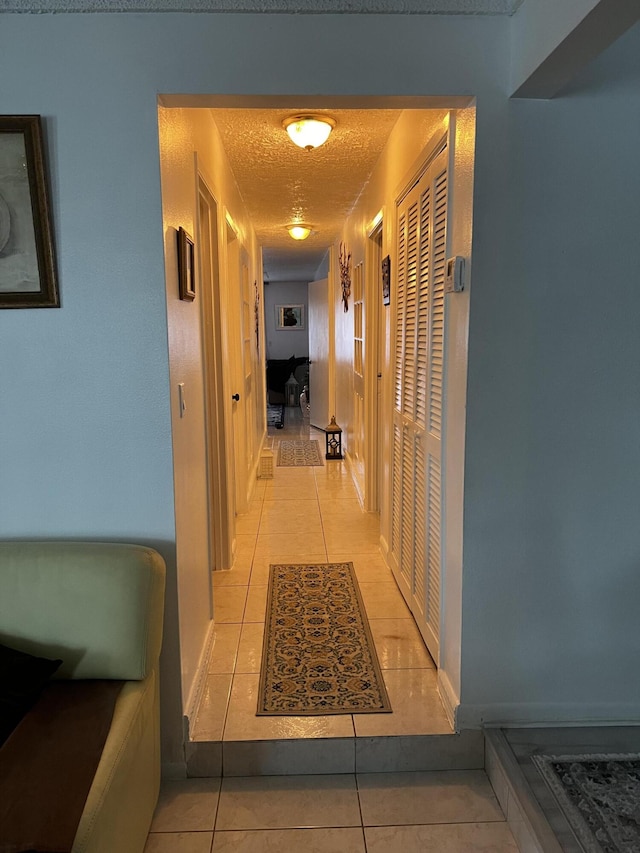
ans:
(600, 797)
(318, 655)
(299, 452)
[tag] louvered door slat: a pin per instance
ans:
(420, 555)
(410, 322)
(400, 309)
(432, 606)
(396, 493)
(406, 548)
(436, 342)
(422, 342)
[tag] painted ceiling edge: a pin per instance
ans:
(298, 7)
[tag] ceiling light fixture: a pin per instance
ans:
(309, 131)
(299, 231)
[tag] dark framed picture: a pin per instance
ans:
(27, 260)
(289, 317)
(186, 266)
(386, 280)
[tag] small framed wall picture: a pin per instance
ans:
(386, 280)
(186, 266)
(289, 317)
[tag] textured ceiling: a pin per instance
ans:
(387, 7)
(280, 183)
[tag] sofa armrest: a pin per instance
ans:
(97, 606)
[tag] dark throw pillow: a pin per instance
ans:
(22, 677)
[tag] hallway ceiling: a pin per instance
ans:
(280, 183)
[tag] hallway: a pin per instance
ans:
(306, 515)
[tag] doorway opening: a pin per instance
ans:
(374, 349)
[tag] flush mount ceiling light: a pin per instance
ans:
(299, 231)
(309, 131)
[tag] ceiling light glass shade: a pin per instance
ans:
(299, 231)
(308, 131)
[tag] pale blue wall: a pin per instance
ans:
(283, 343)
(552, 540)
(551, 460)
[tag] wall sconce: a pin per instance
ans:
(333, 439)
(309, 131)
(299, 231)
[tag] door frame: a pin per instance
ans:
(327, 304)
(373, 377)
(221, 520)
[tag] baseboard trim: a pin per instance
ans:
(450, 699)
(201, 673)
(384, 549)
(350, 468)
(514, 714)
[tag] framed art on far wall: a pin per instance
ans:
(289, 317)
(186, 266)
(27, 260)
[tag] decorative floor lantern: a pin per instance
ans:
(292, 391)
(333, 437)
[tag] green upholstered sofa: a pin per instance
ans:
(98, 607)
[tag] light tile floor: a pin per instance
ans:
(304, 515)
(441, 812)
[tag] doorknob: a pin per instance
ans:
(235, 397)
(310, 361)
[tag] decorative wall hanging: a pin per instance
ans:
(27, 261)
(345, 275)
(386, 280)
(186, 266)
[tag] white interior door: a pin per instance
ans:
(318, 313)
(416, 495)
(374, 316)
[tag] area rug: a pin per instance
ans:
(600, 797)
(299, 452)
(275, 415)
(318, 655)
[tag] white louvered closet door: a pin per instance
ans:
(416, 499)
